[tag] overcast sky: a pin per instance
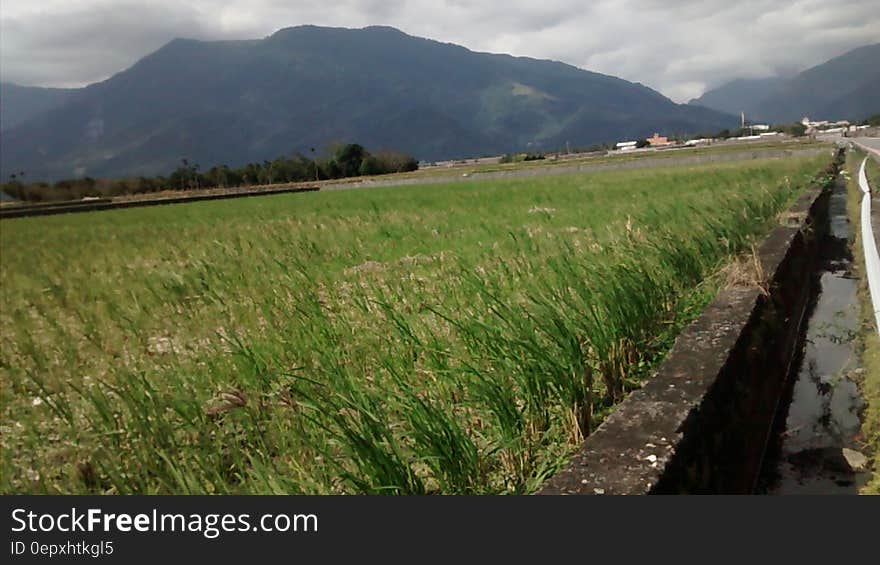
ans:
(679, 47)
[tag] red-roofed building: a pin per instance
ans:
(658, 141)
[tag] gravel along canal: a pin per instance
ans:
(813, 447)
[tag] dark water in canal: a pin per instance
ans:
(819, 415)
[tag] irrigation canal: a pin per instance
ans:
(813, 450)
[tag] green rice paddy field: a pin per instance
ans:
(458, 338)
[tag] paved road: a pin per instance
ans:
(871, 143)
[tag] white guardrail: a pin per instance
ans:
(872, 260)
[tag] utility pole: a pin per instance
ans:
(315, 161)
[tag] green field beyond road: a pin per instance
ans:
(448, 338)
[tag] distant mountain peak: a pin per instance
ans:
(233, 102)
(316, 29)
(840, 88)
(386, 29)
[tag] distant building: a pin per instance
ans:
(626, 145)
(823, 125)
(760, 127)
(658, 141)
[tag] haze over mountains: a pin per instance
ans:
(20, 103)
(234, 102)
(846, 87)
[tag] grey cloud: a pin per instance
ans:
(677, 47)
(86, 44)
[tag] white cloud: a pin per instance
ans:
(677, 47)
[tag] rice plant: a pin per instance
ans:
(459, 338)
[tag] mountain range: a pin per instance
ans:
(305, 87)
(845, 87)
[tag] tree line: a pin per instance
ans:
(345, 160)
